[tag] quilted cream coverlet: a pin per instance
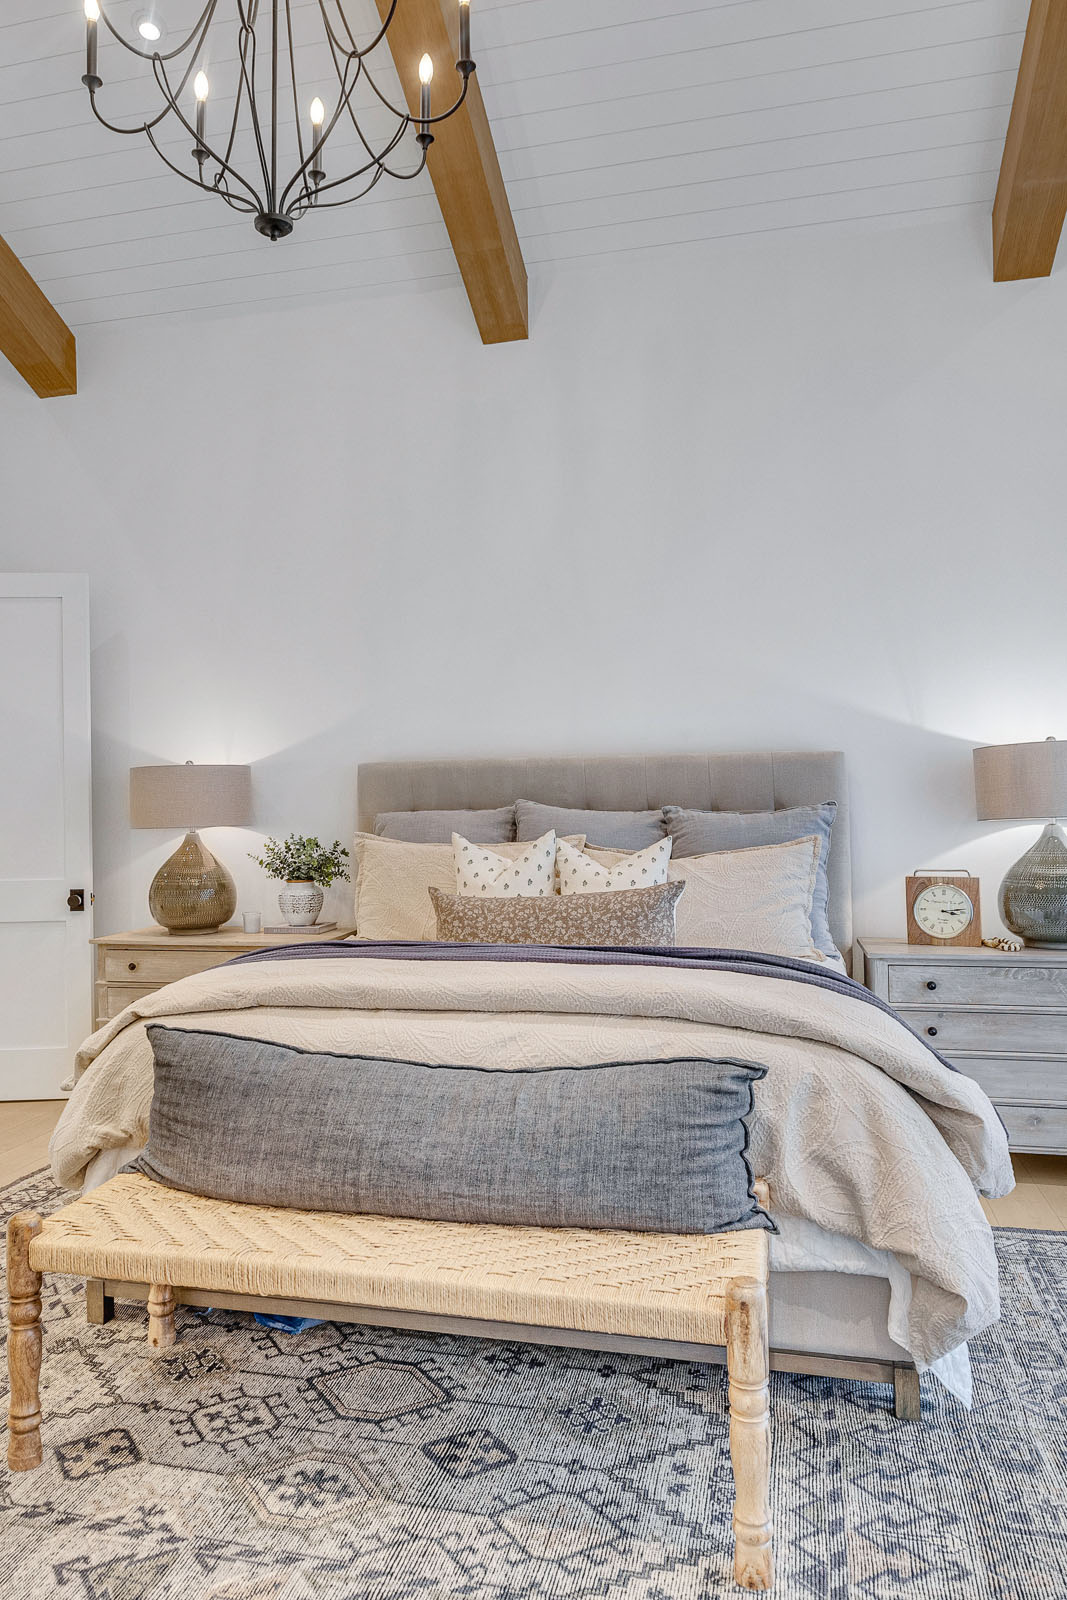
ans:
(857, 1125)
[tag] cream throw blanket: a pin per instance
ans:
(857, 1125)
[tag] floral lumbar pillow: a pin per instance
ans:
(579, 873)
(482, 874)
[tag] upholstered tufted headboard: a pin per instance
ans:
(747, 782)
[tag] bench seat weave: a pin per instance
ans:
(662, 1286)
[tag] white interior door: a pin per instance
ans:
(45, 834)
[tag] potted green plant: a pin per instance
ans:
(307, 867)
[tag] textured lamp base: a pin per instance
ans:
(192, 892)
(1033, 896)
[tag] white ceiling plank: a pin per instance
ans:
(759, 217)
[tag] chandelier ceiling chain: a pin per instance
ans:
(275, 201)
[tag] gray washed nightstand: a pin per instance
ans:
(130, 965)
(1000, 1018)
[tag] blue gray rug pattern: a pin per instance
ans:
(349, 1463)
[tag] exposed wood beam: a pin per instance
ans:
(465, 170)
(33, 335)
(1031, 201)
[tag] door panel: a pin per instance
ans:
(45, 967)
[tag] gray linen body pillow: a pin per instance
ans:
(437, 827)
(624, 917)
(613, 830)
(658, 1146)
(697, 833)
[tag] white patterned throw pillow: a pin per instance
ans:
(580, 873)
(481, 873)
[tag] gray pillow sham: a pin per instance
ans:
(613, 830)
(658, 1146)
(695, 833)
(437, 827)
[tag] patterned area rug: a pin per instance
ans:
(349, 1463)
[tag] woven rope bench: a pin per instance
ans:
(701, 1289)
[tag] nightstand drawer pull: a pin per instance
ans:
(932, 1032)
(132, 966)
(930, 984)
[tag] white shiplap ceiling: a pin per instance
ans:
(622, 125)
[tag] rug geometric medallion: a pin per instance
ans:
(350, 1463)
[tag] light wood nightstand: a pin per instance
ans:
(129, 965)
(999, 1017)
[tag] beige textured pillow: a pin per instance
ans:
(629, 917)
(753, 899)
(581, 873)
(392, 880)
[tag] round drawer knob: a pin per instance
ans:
(132, 965)
(932, 1032)
(931, 983)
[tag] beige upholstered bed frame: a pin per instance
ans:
(828, 1323)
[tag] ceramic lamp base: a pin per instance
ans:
(192, 892)
(1033, 896)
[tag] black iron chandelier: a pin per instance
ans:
(256, 46)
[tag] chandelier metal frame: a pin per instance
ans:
(275, 202)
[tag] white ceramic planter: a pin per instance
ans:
(300, 904)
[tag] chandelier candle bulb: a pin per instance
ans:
(92, 17)
(201, 88)
(464, 31)
(318, 117)
(425, 76)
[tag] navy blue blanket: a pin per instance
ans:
(756, 963)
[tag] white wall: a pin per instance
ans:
(802, 490)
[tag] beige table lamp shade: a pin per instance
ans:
(190, 796)
(1021, 781)
(192, 892)
(1016, 783)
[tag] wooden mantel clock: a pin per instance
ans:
(944, 908)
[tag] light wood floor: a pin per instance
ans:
(1039, 1199)
(25, 1129)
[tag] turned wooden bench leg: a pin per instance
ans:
(747, 1364)
(99, 1307)
(161, 1305)
(23, 1345)
(907, 1401)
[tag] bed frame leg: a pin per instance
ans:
(161, 1305)
(99, 1307)
(24, 1345)
(750, 1432)
(907, 1402)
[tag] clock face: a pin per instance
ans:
(942, 910)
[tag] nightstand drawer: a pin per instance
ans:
(977, 984)
(113, 998)
(1026, 1079)
(1035, 1127)
(991, 1032)
(156, 967)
